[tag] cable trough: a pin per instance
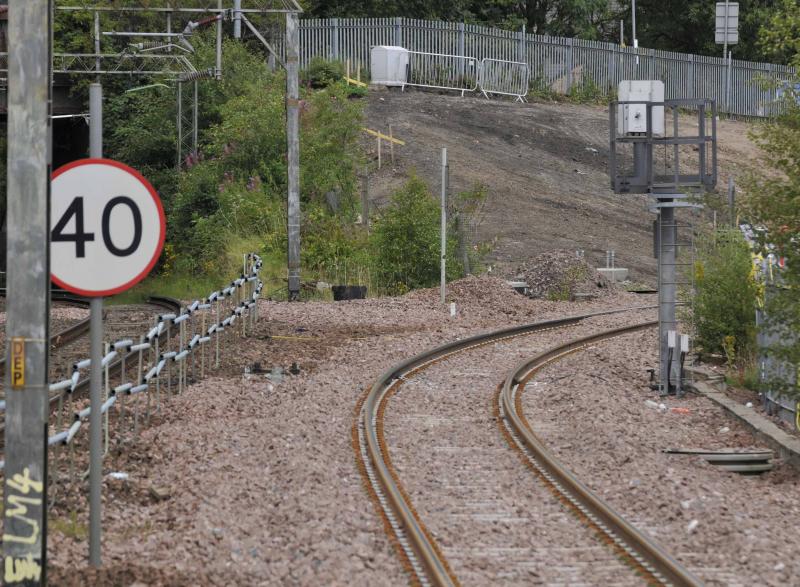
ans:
(418, 551)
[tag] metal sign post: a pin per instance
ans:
(96, 356)
(25, 491)
(107, 232)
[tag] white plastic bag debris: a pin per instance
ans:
(119, 475)
(692, 526)
(654, 405)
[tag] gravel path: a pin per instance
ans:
(727, 528)
(494, 520)
(261, 479)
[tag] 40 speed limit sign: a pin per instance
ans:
(106, 227)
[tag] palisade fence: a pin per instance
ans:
(557, 64)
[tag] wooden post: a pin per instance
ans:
(379, 152)
(391, 144)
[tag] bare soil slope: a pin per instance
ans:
(545, 165)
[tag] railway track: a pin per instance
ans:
(69, 334)
(418, 550)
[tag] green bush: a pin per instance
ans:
(725, 302)
(405, 241)
(321, 73)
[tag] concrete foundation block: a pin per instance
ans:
(614, 275)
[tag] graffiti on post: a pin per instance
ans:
(22, 492)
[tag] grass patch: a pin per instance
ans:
(69, 527)
(185, 285)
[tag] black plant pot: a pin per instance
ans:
(349, 292)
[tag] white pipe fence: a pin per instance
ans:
(149, 366)
(556, 64)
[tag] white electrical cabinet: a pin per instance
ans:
(632, 118)
(389, 65)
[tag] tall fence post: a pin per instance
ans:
(522, 53)
(28, 262)
(568, 85)
(398, 32)
(651, 68)
(334, 39)
(461, 48)
(612, 69)
(690, 75)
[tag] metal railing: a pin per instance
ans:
(556, 64)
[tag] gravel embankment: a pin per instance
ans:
(727, 528)
(261, 479)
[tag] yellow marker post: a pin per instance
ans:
(384, 137)
(17, 363)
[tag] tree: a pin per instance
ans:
(688, 26)
(780, 36)
(725, 303)
(773, 202)
(406, 241)
(590, 19)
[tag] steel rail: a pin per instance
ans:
(409, 531)
(69, 334)
(643, 549)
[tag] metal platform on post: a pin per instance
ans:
(638, 123)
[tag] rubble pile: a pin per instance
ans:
(561, 275)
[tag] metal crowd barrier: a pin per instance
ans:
(443, 72)
(508, 78)
(467, 74)
(154, 357)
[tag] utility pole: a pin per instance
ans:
(28, 301)
(237, 19)
(293, 154)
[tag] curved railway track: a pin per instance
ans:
(419, 552)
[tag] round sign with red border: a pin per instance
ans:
(107, 227)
